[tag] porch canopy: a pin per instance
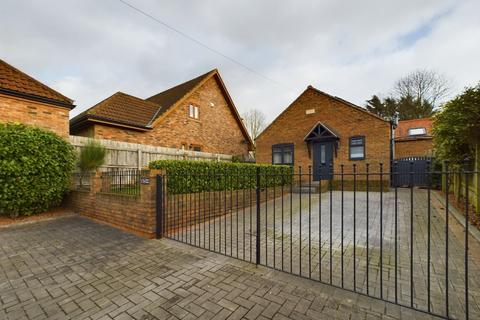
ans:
(321, 133)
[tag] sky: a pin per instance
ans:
(90, 49)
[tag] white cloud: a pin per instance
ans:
(91, 49)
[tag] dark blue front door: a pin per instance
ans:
(322, 158)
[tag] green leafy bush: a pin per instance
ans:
(92, 155)
(198, 176)
(35, 169)
(456, 128)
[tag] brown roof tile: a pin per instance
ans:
(401, 131)
(122, 108)
(169, 97)
(125, 109)
(15, 81)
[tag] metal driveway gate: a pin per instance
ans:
(351, 232)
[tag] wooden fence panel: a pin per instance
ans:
(133, 155)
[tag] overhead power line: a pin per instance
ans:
(200, 43)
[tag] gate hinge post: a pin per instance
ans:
(159, 207)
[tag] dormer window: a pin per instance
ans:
(193, 111)
(417, 131)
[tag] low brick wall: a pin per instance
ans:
(132, 213)
(137, 213)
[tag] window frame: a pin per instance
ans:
(192, 147)
(350, 148)
(193, 112)
(416, 128)
(284, 147)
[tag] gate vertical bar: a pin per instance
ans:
(341, 222)
(446, 238)
(411, 233)
(320, 227)
(367, 226)
(274, 222)
(466, 165)
(300, 220)
(265, 185)
(354, 227)
(244, 213)
(292, 175)
(225, 177)
(395, 177)
(257, 245)
(381, 231)
(250, 178)
(236, 203)
(214, 207)
(429, 234)
(309, 221)
(330, 181)
(282, 181)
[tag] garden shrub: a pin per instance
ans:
(456, 128)
(92, 156)
(197, 176)
(35, 169)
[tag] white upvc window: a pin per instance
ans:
(357, 148)
(417, 131)
(193, 112)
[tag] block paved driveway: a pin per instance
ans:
(73, 268)
(318, 254)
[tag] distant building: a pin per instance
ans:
(413, 138)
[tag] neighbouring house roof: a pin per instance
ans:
(122, 109)
(125, 110)
(17, 83)
(401, 132)
(169, 97)
(350, 104)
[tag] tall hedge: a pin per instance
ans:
(197, 176)
(35, 168)
(456, 128)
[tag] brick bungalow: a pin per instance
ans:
(196, 115)
(26, 100)
(318, 129)
(413, 138)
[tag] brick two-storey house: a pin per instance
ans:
(196, 115)
(318, 129)
(26, 100)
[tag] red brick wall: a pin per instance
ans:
(134, 214)
(216, 130)
(413, 148)
(34, 113)
(294, 124)
(137, 214)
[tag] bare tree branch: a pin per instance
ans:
(254, 120)
(423, 85)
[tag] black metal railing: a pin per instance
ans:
(408, 246)
(121, 182)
